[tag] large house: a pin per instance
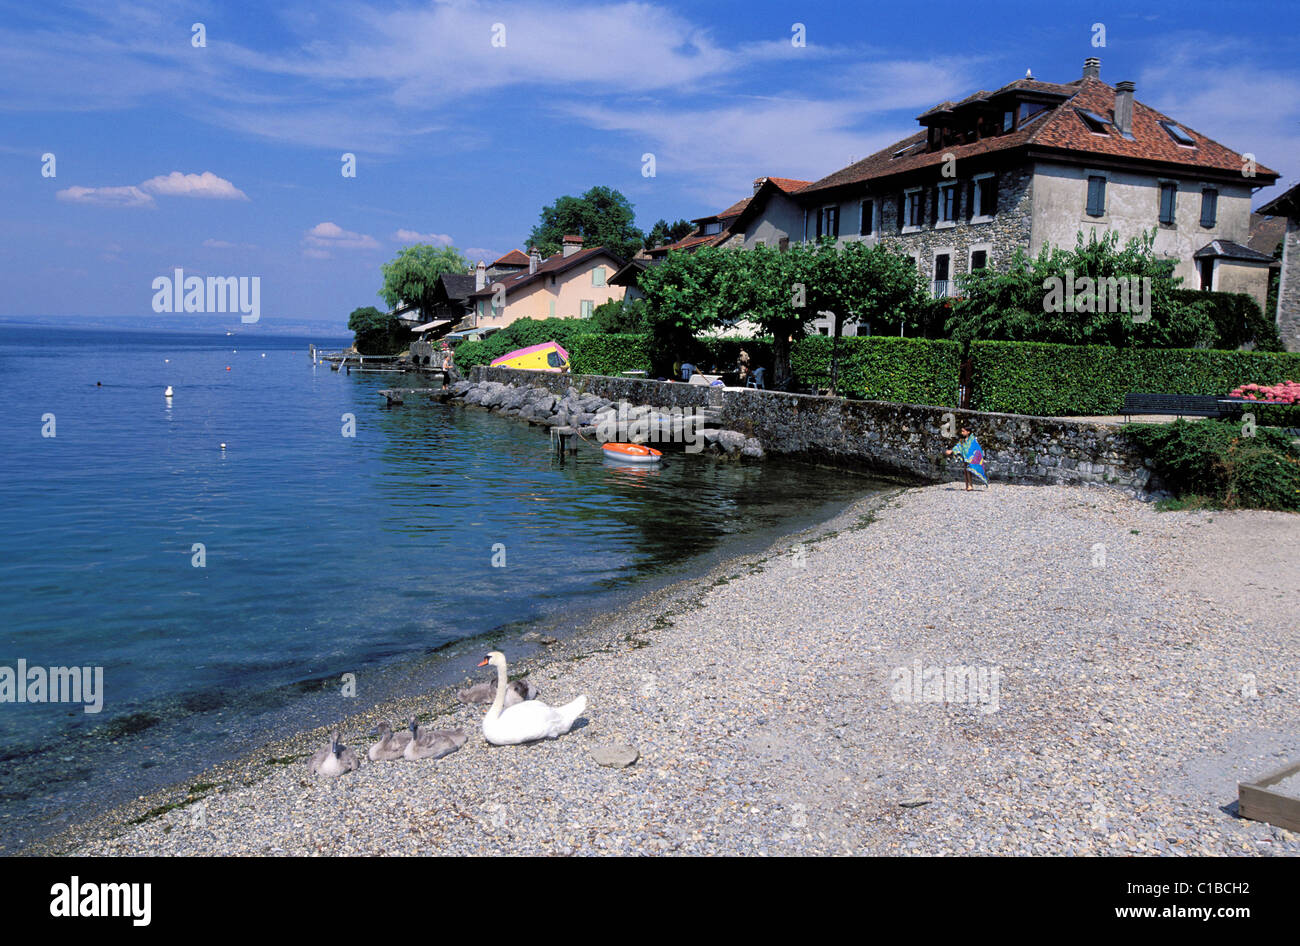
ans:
(569, 284)
(1029, 164)
(1288, 292)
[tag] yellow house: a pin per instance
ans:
(569, 284)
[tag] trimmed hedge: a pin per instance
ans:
(1052, 380)
(1236, 316)
(882, 368)
(608, 354)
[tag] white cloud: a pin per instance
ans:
(206, 185)
(1244, 102)
(106, 196)
(327, 236)
(412, 236)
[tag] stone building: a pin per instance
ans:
(1288, 292)
(1036, 163)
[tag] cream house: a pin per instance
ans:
(570, 284)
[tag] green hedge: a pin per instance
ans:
(1054, 380)
(1236, 316)
(882, 368)
(608, 354)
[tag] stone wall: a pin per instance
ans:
(876, 435)
(1288, 301)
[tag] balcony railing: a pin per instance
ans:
(942, 288)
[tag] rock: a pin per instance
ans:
(617, 755)
(530, 637)
(914, 802)
(752, 448)
(731, 441)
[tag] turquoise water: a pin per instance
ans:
(324, 554)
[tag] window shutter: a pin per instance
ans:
(1096, 196)
(1209, 206)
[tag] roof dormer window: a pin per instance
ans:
(1179, 134)
(1097, 124)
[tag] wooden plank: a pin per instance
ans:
(1257, 802)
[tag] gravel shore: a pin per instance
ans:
(1133, 667)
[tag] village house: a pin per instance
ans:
(569, 284)
(1036, 163)
(1288, 293)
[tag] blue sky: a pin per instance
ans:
(225, 160)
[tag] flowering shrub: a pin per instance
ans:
(1286, 392)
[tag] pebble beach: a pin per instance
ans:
(1132, 666)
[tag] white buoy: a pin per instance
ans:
(167, 361)
(223, 446)
(263, 354)
(167, 391)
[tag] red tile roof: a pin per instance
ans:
(513, 258)
(787, 184)
(1058, 129)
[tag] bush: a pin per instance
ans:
(1051, 380)
(1214, 460)
(883, 368)
(1236, 316)
(608, 354)
(377, 333)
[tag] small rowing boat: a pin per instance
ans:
(631, 453)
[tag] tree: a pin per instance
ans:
(620, 316)
(682, 296)
(377, 333)
(602, 217)
(410, 278)
(664, 232)
(1056, 297)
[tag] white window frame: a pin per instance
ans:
(586, 308)
(911, 193)
(875, 217)
(940, 224)
(974, 214)
(601, 271)
(949, 252)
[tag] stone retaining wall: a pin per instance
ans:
(878, 435)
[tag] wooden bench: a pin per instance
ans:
(1184, 405)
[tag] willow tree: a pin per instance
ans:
(411, 276)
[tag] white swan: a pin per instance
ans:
(335, 759)
(526, 721)
(432, 743)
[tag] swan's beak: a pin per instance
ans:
(483, 662)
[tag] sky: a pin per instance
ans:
(225, 158)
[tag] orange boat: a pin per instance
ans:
(631, 453)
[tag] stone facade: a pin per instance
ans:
(879, 436)
(1288, 295)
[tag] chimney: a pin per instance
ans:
(1092, 68)
(1124, 108)
(480, 275)
(534, 260)
(758, 183)
(572, 244)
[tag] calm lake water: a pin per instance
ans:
(325, 554)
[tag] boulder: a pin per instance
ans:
(752, 449)
(731, 441)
